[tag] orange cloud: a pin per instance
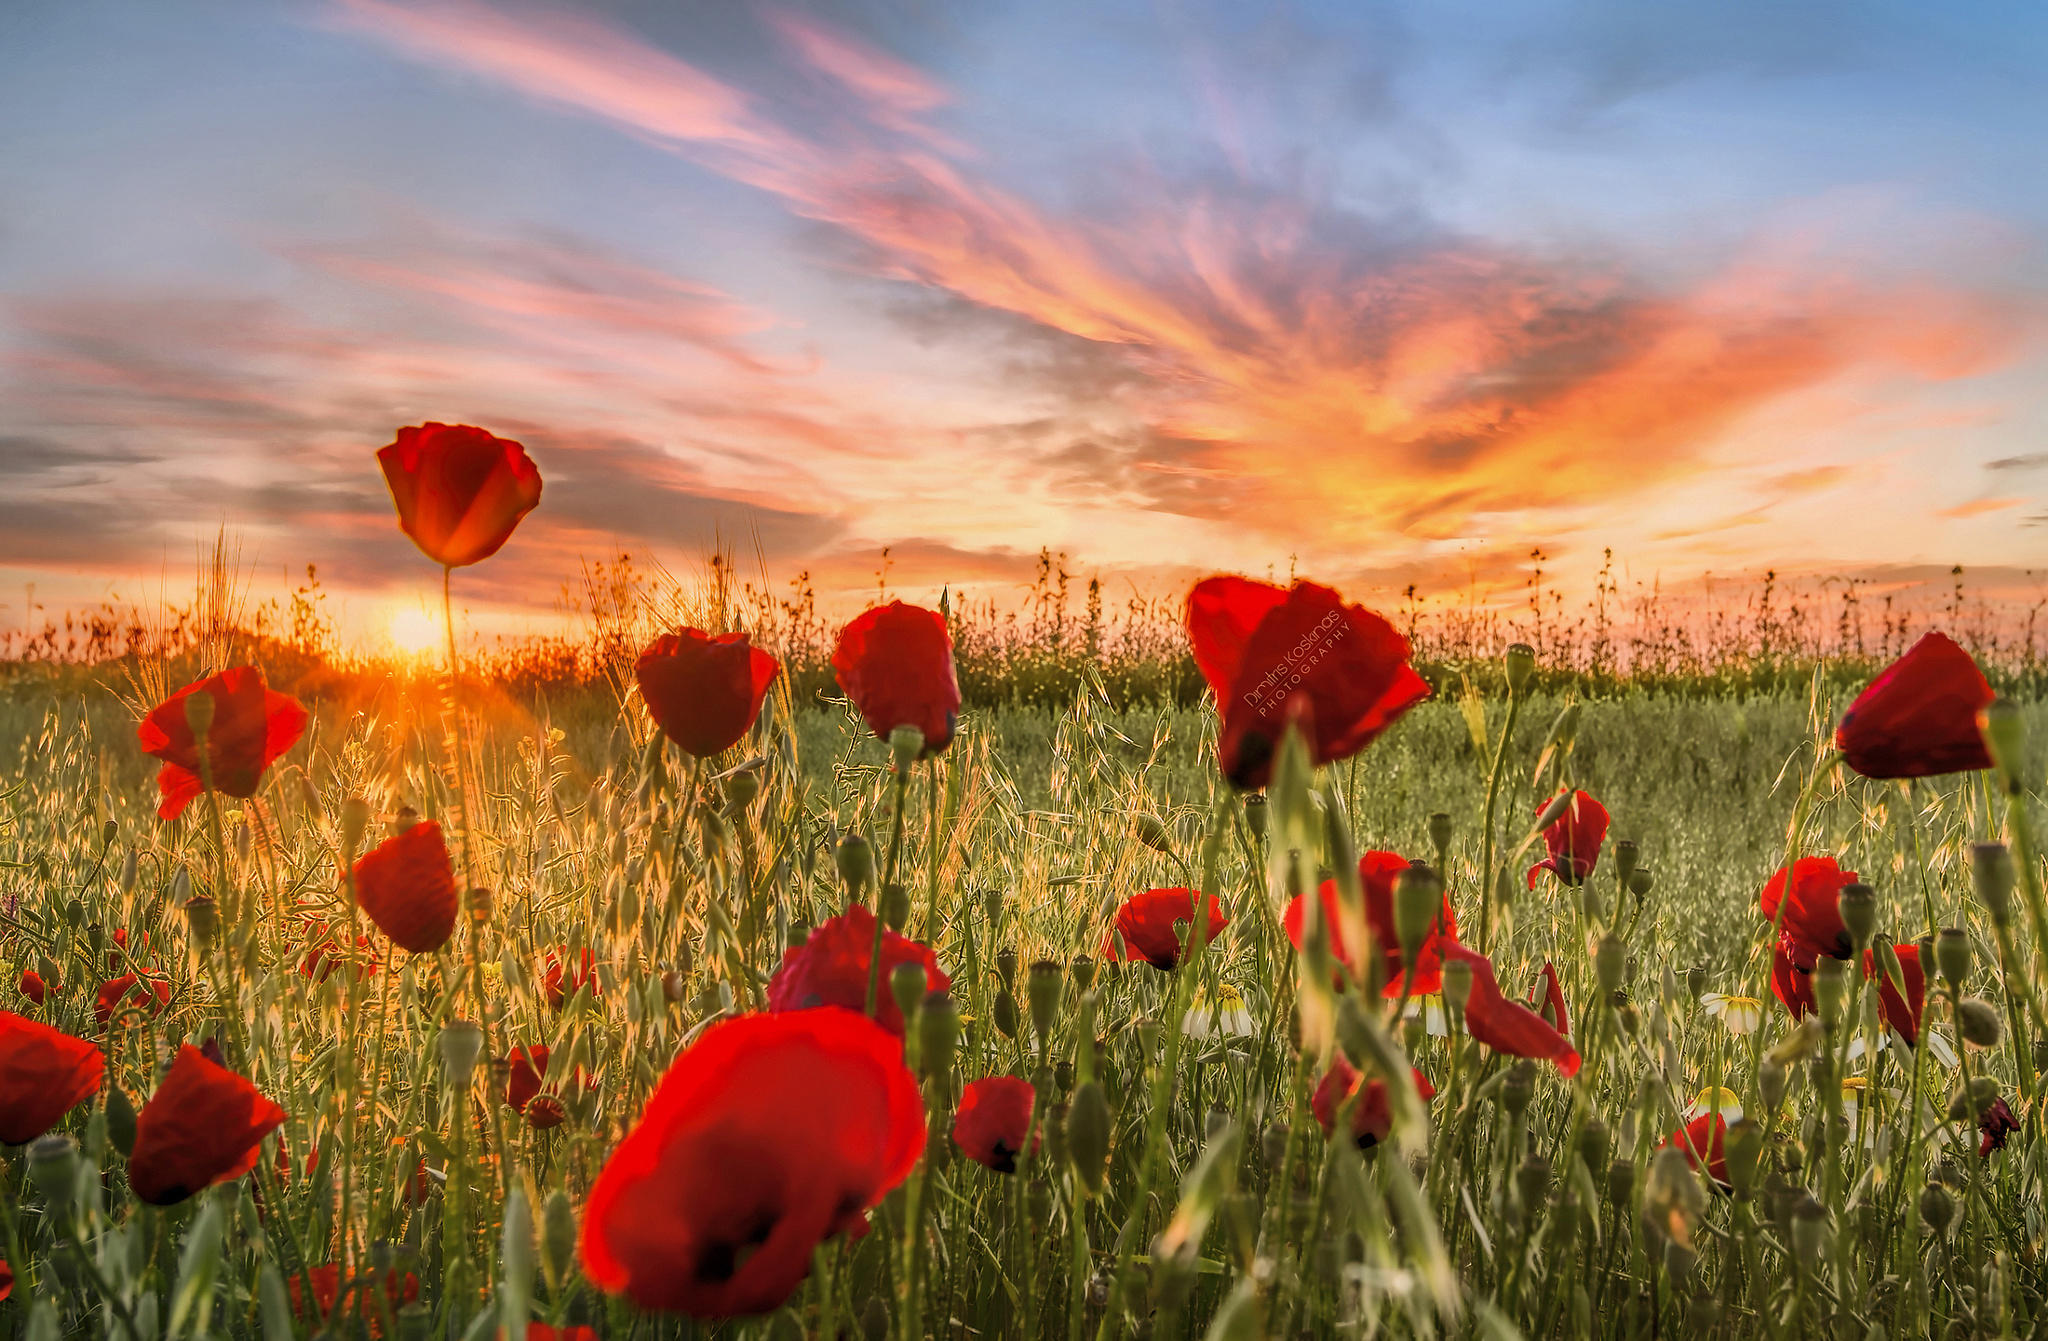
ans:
(1977, 507)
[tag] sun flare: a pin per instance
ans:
(413, 632)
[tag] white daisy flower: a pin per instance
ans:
(1716, 1099)
(1225, 1017)
(1742, 1014)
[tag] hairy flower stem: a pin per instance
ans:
(888, 878)
(1493, 777)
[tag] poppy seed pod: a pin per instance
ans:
(1937, 1207)
(1418, 903)
(1991, 872)
(1977, 1021)
(2005, 736)
(202, 914)
(1082, 967)
(1519, 664)
(1088, 1122)
(1640, 881)
(1518, 1088)
(53, 1165)
(1532, 1183)
(1042, 988)
(1772, 1079)
(895, 905)
(1151, 831)
(1255, 814)
(1743, 1150)
(1621, 1181)
(1857, 904)
(938, 1033)
(992, 906)
(1830, 987)
(1005, 1013)
(906, 984)
(906, 743)
(1006, 965)
(1626, 855)
(462, 1042)
(1610, 962)
(1594, 1143)
(1809, 1229)
(1952, 955)
(855, 857)
(1440, 833)
(1457, 979)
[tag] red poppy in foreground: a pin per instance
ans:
(1899, 1010)
(831, 968)
(1372, 1117)
(407, 886)
(1573, 839)
(767, 1135)
(204, 1125)
(44, 1074)
(1792, 976)
(994, 1121)
(896, 663)
(129, 992)
(561, 980)
(1271, 652)
(704, 691)
(1705, 1137)
(1994, 1125)
(1549, 1001)
(1919, 717)
(1378, 871)
(1509, 1026)
(252, 727)
(459, 490)
(33, 987)
(1148, 927)
(327, 1292)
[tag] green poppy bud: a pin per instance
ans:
(856, 859)
(1695, 981)
(1937, 1207)
(1621, 1181)
(1088, 1123)
(557, 1237)
(1591, 906)
(1418, 903)
(1830, 987)
(1519, 664)
(1952, 955)
(895, 905)
(462, 1042)
(1809, 1229)
(1255, 814)
(202, 914)
(906, 985)
(1595, 1142)
(1457, 975)
(53, 1166)
(1532, 1184)
(2005, 736)
(1857, 904)
(120, 1120)
(1992, 873)
(1152, 832)
(906, 743)
(1673, 1199)
(1440, 834)
(1772, 1080)
(1042, 989)
(1743, 1151)
(1005, 1013)
(1518, 1088)
(1610, 962)
(938, 1033)
(1977, 1020)
(741, 789)
(1640, 881)
(1626, 855)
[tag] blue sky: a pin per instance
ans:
(1391, 292)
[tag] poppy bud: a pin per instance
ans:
(1255, 814)
(1006, 965)
(1970, 1101)
(478, 902)
(741, 789)
(2005, 736)
(355, 822)
(1532, 1184)
(1273, 1145)
(557, 1237)
(856, 859)
(1625, 1012)
(1457, 976)
(1679, 1261)
(1440, 834)
(1088, 1135)
(131, 866)
(1743, 1151)
(1640, 881)
(905, 744)
(120, 1120)
(895, 905)
(1151, 831)
(53, 1165)
(1952, 955)
(199, 707)
(1830, 987)
(992, 905)
(1772, 1079)
(202, 914)
(1519, 663)
(515, 1253)
(1610, 962)
(1977, 1021)
(1809, 1229)
(1857, 904)
(1418, 903)
(462, 1042)
(874, 1319)
(1594, 1141)
(1672, 1197)
(1625, 855)
(1006, 1013)
(938, 1033)
(1695, 981)
(1621, 1181)
(1591, 906)
(1043, 989)
(906, 984)
(674, 987)
(1991, 871)
(1518, 1088)
(1937, 1207)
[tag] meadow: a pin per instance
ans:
(616, 1095)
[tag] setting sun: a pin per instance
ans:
(413, 632)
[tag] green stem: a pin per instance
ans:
(1493, 777)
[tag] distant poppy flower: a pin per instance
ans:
(1705, 1137)
(204, 1125)
(768, 1134)
(1378, 871)
(44, 1074)
(540, 1331)
(831, 968)
(325, 952)
(561, 981)
(1509, 1026)
(326, 1280)
(407, 886)
(1573, 839)
(704, 691)
(122, 954)
(417, 1184)
(252, 727)
(459, 490)
(1813, 918)
(545, 1111)
(1147, 926)
(896, 663)
(994, 1121)
(149, 995)
(1900, 1011)
(1271, 653)
(1549, 1001)
(1919, 717)
(1372, 1117)
(526, 1071)
(33, 987)
(1995, 1125)
(6, 1281)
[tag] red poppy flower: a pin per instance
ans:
(204, 1125)
(33, 987)
(1573, 839)
(1994, 1125)
(704, 692)
(6, 1281)
(327, 1291)
(831, 968)
(1705, 1137)
(1900, 1012)
(407, 886)
(1919, 717)
(44, 1074)
(1813, 918)
(1271, 652)
(459, 490)
(768, 1134)
(1549, 1001)
(1146, 926)
(252, 727)
(1378, 871)
(121, 954)
(1792, 975)
(417, 1184)
(526, 1072)
(994, 1121)
(540, 1331)
(325, 953)
(1373, 1116)
(896, 663)
(128, 992)
(1509, 1026)
(561, 981)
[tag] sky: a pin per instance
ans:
(1380, 293)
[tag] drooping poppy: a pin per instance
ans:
(1148, 926)
(1573, 839)
(252, 727)
(1813, 917)
(407, 886)
(526, 1074)
(1792, 975)
(565, 972)
(1549, 1001)
(1377, 872)
(459, 490)
(896, 663)
(1509, 1026)
(994, 1121)
(204, 1125)
(1372, 1117)
(33, 987)
(1705, 1137)
(1994, 1125)
(703, 690)
(44, 1074)
(1272, 653)
(1919, 717)
(831, 968)
(148, 995)
(766, 1135)
(1899, 1010)
(326, 1280)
